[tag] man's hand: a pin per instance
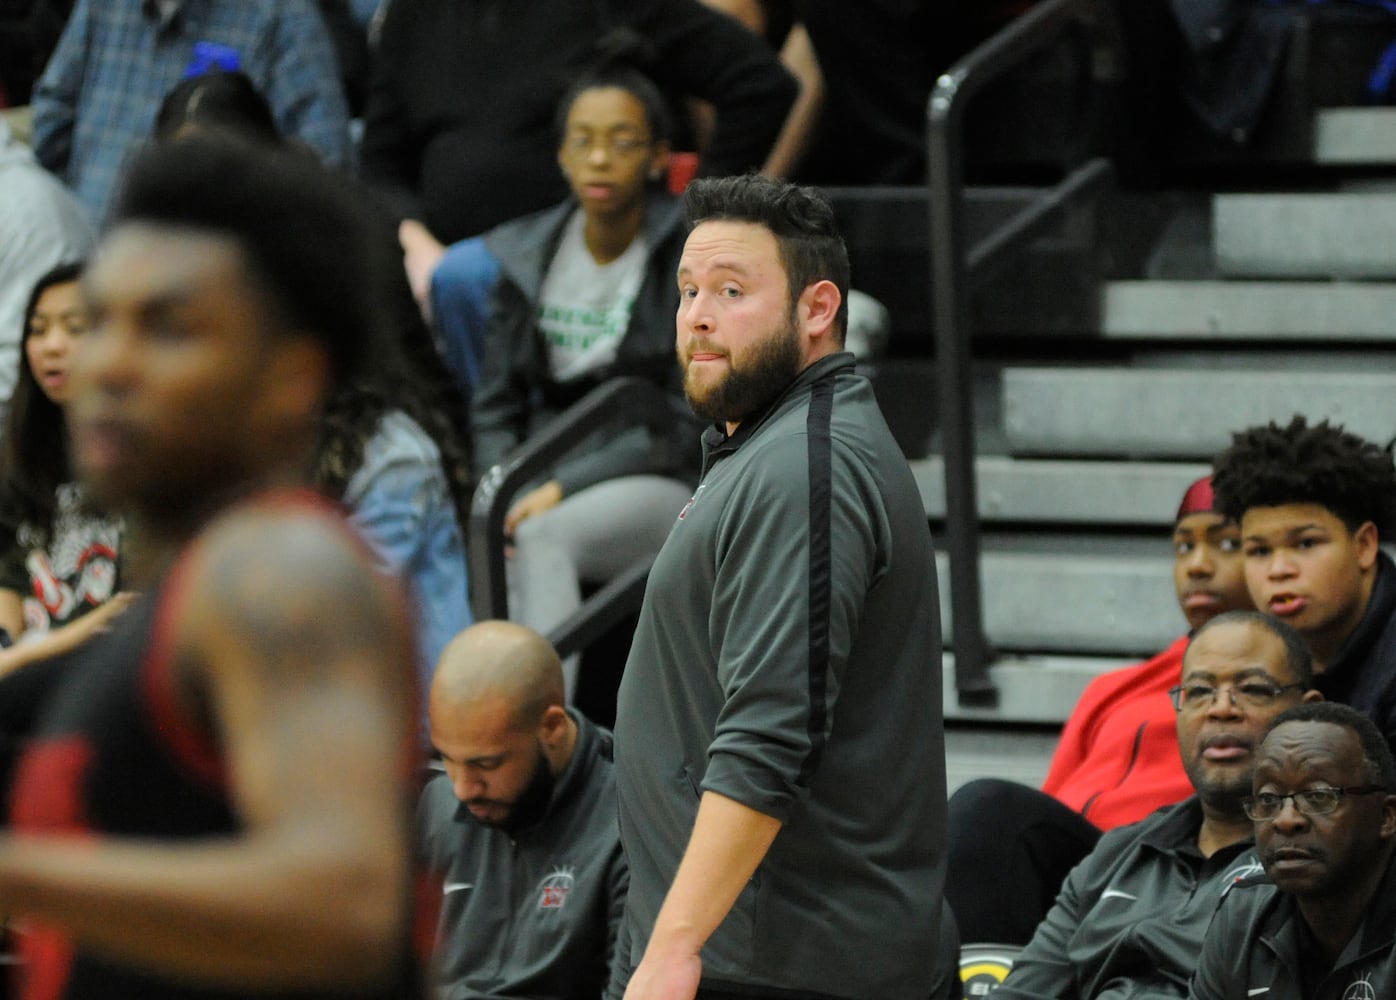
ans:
(665, 978)
(421, 252)
(532, 503)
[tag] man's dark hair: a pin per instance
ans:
(303, 235)
(1298, 659)
(802, 221)
(1268, 466)
(1376, 752)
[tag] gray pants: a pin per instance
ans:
(591, 536)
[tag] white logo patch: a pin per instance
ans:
(554, 890)
(1116, 894)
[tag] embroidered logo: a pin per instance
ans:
(1244, 870)
(691, 501)
(553, 890)
(1361, 989)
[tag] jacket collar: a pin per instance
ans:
(716, 441)
(1381, 607)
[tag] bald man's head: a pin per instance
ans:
(499, 720)
(498, 659)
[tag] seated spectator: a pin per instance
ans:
(117, 59)
(1130, 918)
(59, 568)
(459, 123)
(1117, 760)
(41, 226)
(522, 826)
(1321, 921)
(586, 293)
(389, 455)
(1314, 504)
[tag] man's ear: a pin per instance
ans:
(552, 726)
(1367, 543)
(1388, 817)
(819, 308)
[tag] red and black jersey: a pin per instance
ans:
(112, 753)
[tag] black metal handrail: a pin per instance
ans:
(626, 402)
(957, 268)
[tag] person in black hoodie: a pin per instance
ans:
(1315, 503)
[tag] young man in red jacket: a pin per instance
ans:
(1117, 760)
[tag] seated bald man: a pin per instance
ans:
(522, 826)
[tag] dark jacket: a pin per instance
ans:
(464, 94)
(533, 915)
(517, 396)
(1363, 674)
(1130, 918)
(788, 657)
(1260, 948)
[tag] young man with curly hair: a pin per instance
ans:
(1314, 503)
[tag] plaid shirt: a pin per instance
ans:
(96, 101)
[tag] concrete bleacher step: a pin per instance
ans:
(1352, 137)
(1068, 600)
(1245, 310)
(1149, 413)
(1020, 755)
(1337, 235)
(1035, 690)
(1030, 491)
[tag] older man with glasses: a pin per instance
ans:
(1130, 918)
(1321, 922)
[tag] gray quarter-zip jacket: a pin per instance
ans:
(788, 657)
(533, 915)
(1260, 948)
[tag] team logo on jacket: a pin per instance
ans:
(1361, 989)
(691, 501)
(1242, 871)
(553, 890)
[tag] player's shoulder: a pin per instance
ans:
(283, 549)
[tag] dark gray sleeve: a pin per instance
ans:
(781, 666)
(1043, 969)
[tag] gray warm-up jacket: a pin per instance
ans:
(1260, 948)
(1130, 918)
(532, 915)
(788, 657)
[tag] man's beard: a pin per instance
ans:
(768, 368)
(530, 804)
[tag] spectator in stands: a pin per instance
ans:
(1322, 922)
(1117, 761)
(117, 59)
(1130, 918)
(586, 294)
(389, 455)
(1314, 504)
(461, 107)
(41, 226)
(59, 569)
(522, 826)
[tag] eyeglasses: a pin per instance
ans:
(1310, 802)
(616, 145)
(1253, 694)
